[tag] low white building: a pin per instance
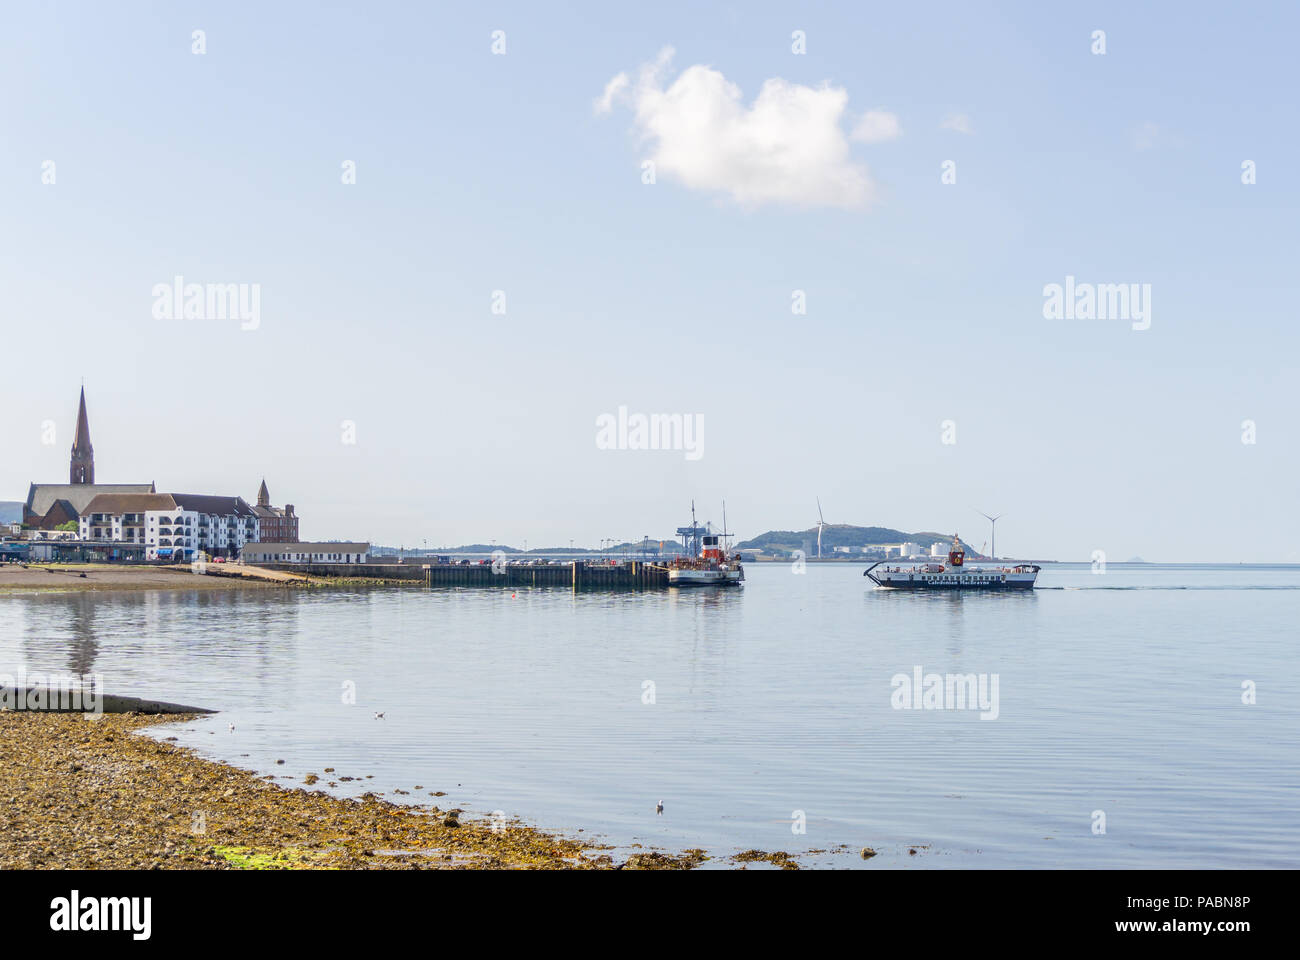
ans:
(306, 552)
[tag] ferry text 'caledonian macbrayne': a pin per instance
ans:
(954, 575)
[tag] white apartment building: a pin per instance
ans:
(175, 526)
(214, 526)
(118, 517)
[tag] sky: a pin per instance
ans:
(820, 235)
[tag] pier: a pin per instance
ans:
(576, 575)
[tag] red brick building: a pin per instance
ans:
(274, 524)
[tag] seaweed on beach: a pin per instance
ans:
(87, 791)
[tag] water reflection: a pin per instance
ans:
(767, 699)
(126, 635)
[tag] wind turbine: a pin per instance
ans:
(993, 522)
(821, 522)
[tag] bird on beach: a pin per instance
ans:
(659, 808)
(379, 716)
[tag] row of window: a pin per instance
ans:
(309, 557)
(963, 579)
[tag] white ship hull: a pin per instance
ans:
(1019, 577)
(687, 577)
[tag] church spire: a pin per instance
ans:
(81, 468)
(263, 495)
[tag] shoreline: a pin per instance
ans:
(103, 577)
(95, 793)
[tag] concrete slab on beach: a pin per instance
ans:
(105, 576)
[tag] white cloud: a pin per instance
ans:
(787, 147)
(877, 126)
(958, 122)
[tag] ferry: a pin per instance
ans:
(954, 575)
(710, 566)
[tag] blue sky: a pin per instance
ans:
(478, 172)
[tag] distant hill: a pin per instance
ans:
(773, 542)
(843, 535)
(670, 548)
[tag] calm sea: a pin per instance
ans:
(757, 713)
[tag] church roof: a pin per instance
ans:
(60, 512)
(41, 496)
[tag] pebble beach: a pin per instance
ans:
(86, 791)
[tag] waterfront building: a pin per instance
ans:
(306, 552)
(119, 517)
(275, 524)
(215, 526)
(46, 550)
(172, 526)
(134, 515)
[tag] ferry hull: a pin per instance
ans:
(705, 578)
(1020, 577)
(914, 585)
